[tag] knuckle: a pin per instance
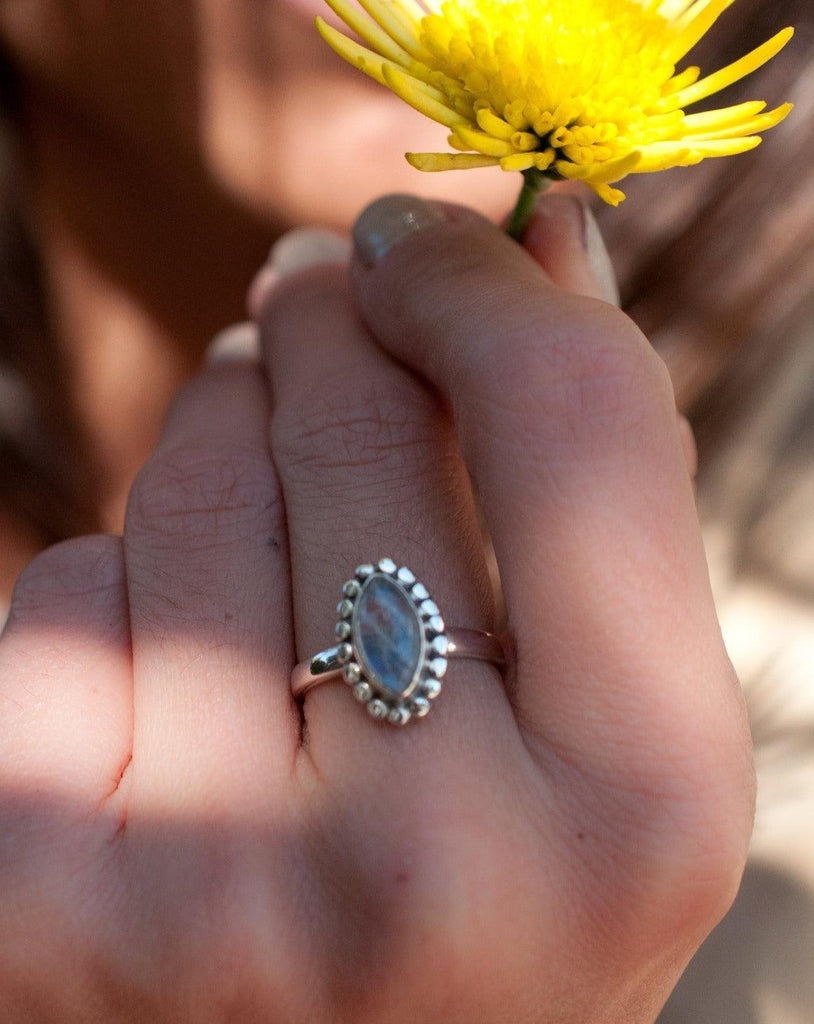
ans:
(83, 568)
(594, 380)
(677, 853)
(387, 423)
(199, 494)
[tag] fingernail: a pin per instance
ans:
(688, 445)
(599, 259)
(296, 250)
(239, 343)
(389, 221)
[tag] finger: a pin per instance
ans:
(297, 250)
(369, 468)
(65, 674)
(564, 238)
(207, 569)
(567, 421)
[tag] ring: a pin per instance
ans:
(393, 645)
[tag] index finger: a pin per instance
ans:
(566, 419)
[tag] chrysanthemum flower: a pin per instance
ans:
(577, 89)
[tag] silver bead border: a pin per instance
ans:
(380, 703)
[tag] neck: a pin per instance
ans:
(142, 264)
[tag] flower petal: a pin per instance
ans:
(422, 97)
(611, 196)
(518, 162)
(610, 171)
(396, 23)
(483, 143)
(711, 120)
(731, 73)
(494, 125)
(370, 32)
(760, 123)
(694, 24)
(449, 161)
(365, 60)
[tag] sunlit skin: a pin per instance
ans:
(180, 843)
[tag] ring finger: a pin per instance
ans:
(369, 467)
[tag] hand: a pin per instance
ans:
(181, 844)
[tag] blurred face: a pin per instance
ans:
(245, 87)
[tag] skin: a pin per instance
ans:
(182, 843)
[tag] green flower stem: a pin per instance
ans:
(534, 182)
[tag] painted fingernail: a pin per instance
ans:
(296, 250)
(239, 343)
(389, 221)
(598, 258)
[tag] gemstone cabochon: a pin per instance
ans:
(387, 635)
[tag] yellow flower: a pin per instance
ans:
(579, 89)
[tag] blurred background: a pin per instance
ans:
(724, 287)
(149, 156)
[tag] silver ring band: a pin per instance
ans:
(471, 644)
(393, 645)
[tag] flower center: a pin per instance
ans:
(576, 76)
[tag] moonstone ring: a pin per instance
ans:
(393, 645)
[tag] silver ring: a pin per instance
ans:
(393, 645)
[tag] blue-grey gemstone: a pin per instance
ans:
(387, 634)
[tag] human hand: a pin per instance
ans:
(180, 843)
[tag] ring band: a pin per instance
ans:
(393, 645)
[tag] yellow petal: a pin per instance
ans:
(724, 117)
(417, 94)
(484, 143)
(694, 24)
(661, 156)
(458, 144)
(612, 170)
(449, 161)
(494, 125)
(525, 141)
(672, 9)
(412, 11)
(761, 123)
(396, 24)
(365, 60)
(678, 82)
(542, 161)
(518, 162)
(723, 147)
(611, 196)
(732, 72)
(370, 32)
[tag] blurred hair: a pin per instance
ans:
(715, 261)
(716, 264)
(45, 467)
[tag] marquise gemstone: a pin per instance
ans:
(387, 632)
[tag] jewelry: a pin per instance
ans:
(393, 645)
